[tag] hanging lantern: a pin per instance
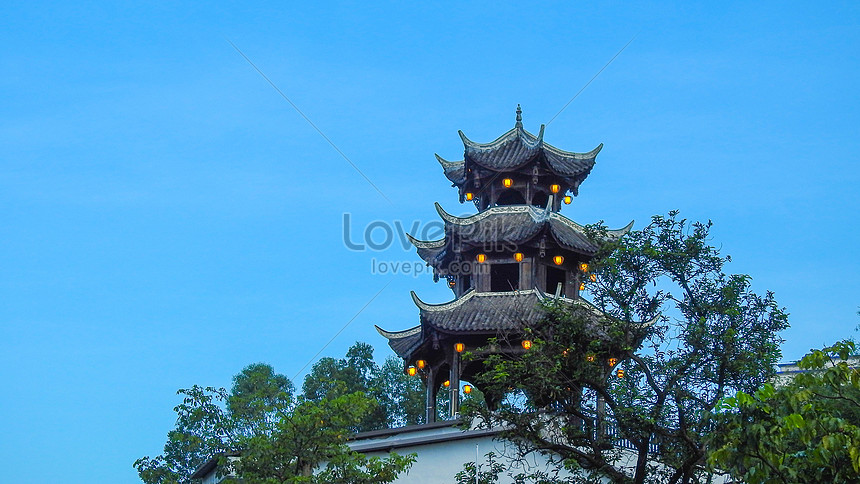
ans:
(527, 344)
(613, 361)
(459, 347)
(581, 286)
(620, 373)
(568, 199)
(583, 267)
(420, 364)
(481, 258)
(470, 195)
(518, 256)
(554, 188)
(590, 358)
(565, 353)
(411, 371)
(558, 260)
(446, 383)
(467, 389)
(593, 278)
(508, 183)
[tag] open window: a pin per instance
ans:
(504, 277)
(511, 197)
(554, 277)
(540, 199)
(466, 283)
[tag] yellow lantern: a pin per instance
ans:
(508, 183)
(568, 199)
(583, 267)
(411, 371)
(554, 188)
(620, 373)
(470, 195)
(467, 389)
(613, 361)
(481, 258)
(558, 260)
(527, 344)
(593, 278)
(518, 257)
(565, 352)
(590, 358)
(420, 364)
(581, 286)
(459, 347)
(446, 383)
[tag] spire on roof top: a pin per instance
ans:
(519, 117)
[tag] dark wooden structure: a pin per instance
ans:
(502, 262)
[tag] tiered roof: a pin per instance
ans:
(488, 313)
(539, 172)
(512, 224)
(514, 150)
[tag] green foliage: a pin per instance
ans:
(312, 433)
(709, 334)
(282, 438)
(258, 395)
(404, 394)
(805, 431)
(399, 399)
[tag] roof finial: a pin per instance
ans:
(519, 117)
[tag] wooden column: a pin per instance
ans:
(430, 396)
(454, 389)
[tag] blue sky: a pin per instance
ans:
(167, 218)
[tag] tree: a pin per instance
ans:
(612, 398)
(399, 399)
(805, 431)
(315, 432)
(211, 421)
(405, 394)
(281, 438)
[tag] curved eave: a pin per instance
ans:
(403, 343)
(579, 228)
(589, 156)
(618, 233)
(393, 335)
(611, 234)
(426, 244)
(444, 306)
(455, 171)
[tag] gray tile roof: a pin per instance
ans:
(515, 149)
(403, 342)
(489, 313)
(483, 312)
(508, 226)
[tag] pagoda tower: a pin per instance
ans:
(502, 262)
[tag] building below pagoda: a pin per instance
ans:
(503, 263)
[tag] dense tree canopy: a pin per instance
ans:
(399, 399)
(586, 390)
(281, 437)
(803, 431)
